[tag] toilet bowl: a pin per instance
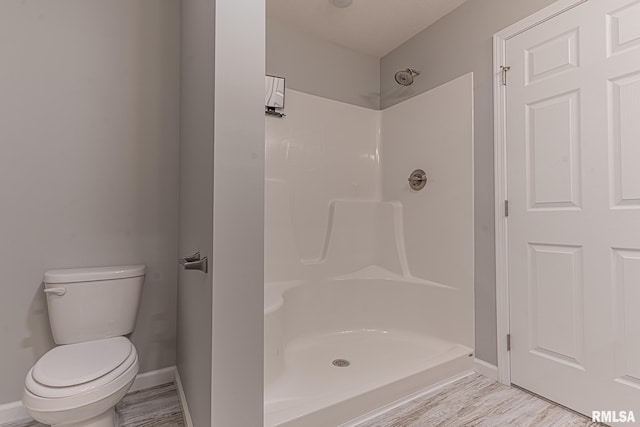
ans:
(79, 383)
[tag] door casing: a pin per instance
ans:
(500, 172)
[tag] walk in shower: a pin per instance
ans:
(369, 283)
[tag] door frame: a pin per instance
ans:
(500, 172)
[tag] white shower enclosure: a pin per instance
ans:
(369, 293)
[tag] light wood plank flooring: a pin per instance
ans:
(152, 407)
(480, 402)
(472, 401)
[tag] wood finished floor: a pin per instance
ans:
(152, 407)
(472, 401)
(480, 402)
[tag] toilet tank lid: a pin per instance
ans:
(72, 275)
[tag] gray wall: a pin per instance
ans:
(89, 120)
(459, 43)
(319, 67)
(238, 215)
(195, 292)
(221, 314)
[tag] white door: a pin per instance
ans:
(573, 184)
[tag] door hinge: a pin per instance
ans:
(503, 70)
(506, 208)
(508, 342)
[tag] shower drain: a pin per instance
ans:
(341, 363)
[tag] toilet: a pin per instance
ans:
(79, 382)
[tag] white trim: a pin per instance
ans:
(538, 18)
(183, 401)
(15, 411)
(153, 378)
(486, 369)
(425, 393)
(500, 165)
(499, 161)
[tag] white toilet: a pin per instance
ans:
(79, 383)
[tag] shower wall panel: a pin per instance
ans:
(323, 150)
(434, 132)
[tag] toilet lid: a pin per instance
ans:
(73, 364)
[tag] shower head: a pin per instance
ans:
(405, 77)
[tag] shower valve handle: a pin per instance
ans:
(417, 179)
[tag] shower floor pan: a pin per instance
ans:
(383, 366)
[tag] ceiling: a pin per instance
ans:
(373, 27)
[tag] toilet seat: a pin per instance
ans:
(97, 400)
(74, 369)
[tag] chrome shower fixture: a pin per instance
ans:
(405, 77)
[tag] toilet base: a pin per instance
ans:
(106, 419)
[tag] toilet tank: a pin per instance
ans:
(93, 303)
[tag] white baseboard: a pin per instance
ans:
(183, 401)
(425, 393)
(154, 378)
(15, 411)
(486, 369)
